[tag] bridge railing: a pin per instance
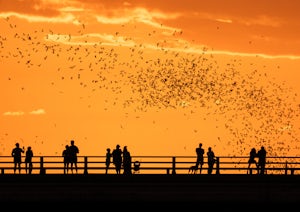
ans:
(154, 165)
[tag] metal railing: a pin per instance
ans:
(155, 165)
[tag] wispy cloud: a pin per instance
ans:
(138, 15)
(261, 20)
(224, 20)
(37, 112)
(14, 113)
(21, 113)
(63, 18)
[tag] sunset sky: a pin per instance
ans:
(157, 76)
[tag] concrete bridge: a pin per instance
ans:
(150, 191)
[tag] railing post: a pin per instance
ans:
(85, 165)
(42, 170)
(173, 165)
(286, 168)
(218, 165)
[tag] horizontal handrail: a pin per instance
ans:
(156, 164)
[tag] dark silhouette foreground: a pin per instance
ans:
(146, 191)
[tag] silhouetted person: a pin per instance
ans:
(28, 160)
(252, 156)
(17, 154)
(66, 156)
(210, 160)
(107, 160)
(117, 158)
(200, 157)
(73, 151)
(261, 154)
(126, 161)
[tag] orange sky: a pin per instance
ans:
(157, 76)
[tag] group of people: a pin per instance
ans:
(119, 158)
(122, 159)
(211, 159)
(70, 157)
(260, 165)
(17, 155)
(69, 154)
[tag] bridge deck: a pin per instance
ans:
(151, 190)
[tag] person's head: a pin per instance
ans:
(108, 149)
(72, 142)
(118, 146)
(17, 144)
(200, 144)
(67, 146)
(29, 148)
(209, 148)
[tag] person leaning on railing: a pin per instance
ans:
(211, 159)
(261, 160)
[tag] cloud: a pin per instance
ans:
(21, 113)
(224, 20)
(141, 15)
(15, 113)
(37, 112)
(64, 18)
(261, 20)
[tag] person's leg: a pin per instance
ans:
(30, 167)
(15, 167)
(106, 168)
(248, 169)
(263, 169)
(201, 164)
(19, 164)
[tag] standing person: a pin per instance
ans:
(66, 156)
(28, 160)
(200, 157)
(117, 158)
(261, 160)
(73, 151)
(252, 156)
(210, 160)
(17, 154)
(107, 160)
(126, 161)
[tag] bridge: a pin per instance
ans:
(149, 192)
(161, 183)
(157, 165)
